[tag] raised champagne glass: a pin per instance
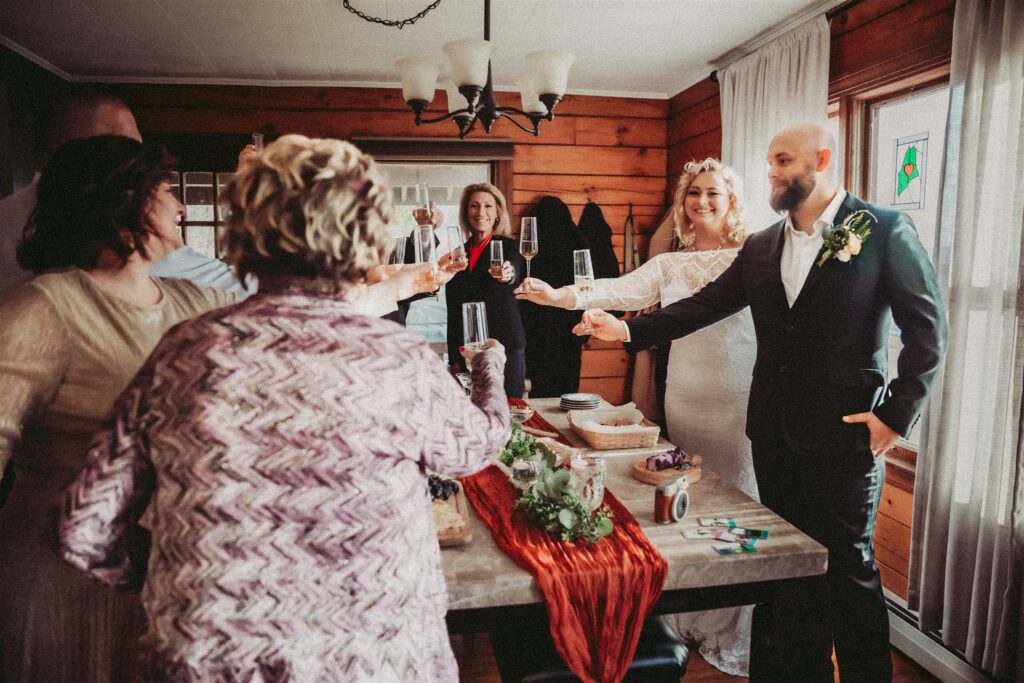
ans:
(497, 259)
(474, 325)
(456, 249)
(528, 240)
(421, 212)
(583, 271)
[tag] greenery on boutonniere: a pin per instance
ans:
(844, 242)
(551, 504)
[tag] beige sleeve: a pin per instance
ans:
(33, 359)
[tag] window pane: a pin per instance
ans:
(201, 238)
(905, 171)
(199, 198)
(428, 317)
(905, 161)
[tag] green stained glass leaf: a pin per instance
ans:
(908, 170)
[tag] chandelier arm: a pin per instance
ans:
(449, 115)
(534, 120)
(512, 110)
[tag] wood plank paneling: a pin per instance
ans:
(897, 504)
(586, 159)
(605, 363)
(611, 389)
(626, 132)
(893, 580)
(895, 536)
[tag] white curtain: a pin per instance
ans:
(967, 553)
(782, 83)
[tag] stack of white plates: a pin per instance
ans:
(580, 401)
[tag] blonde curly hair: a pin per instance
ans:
(734, 218)
(308, 209)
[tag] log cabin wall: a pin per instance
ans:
(605, 149)
(873, 43)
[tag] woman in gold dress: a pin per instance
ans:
(70, 341)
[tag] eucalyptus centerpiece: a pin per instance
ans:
(550, 501)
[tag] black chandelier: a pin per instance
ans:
(471, 90)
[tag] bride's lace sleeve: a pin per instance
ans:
(630, 292)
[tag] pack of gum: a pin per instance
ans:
(730, 524)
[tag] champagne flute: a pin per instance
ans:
(497, 258)
(421, 213)
(423, 244)
(583, 276)
(397, 256)
(474, 325)
(583, 271)
(528, 240)
(457, 250)
(257, 142)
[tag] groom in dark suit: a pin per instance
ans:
(820, 285)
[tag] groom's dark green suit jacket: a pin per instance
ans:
(826, 356)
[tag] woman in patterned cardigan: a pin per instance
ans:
(282, 444)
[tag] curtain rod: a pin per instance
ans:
(829, 15)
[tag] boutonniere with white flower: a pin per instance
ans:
(844, 242)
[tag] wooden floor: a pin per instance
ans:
(477, 665)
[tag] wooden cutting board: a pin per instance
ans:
(460, 533)
(641, 473)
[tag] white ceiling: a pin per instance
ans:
(640, 48)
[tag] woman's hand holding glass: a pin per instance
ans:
(597, 323)
(490, 346)
(539, 292)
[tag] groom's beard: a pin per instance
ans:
(797, 190)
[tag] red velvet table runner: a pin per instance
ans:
(597, 596)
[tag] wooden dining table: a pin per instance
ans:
(486, 588)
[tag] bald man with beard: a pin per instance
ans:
(821, 411)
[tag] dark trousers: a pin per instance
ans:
(833, 498)
(515, 373)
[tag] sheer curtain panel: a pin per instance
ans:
(782, 83)
(967, 553)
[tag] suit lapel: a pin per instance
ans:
(776, 289)
(818, 272)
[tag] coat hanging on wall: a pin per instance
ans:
(553, 352)
(598, 236)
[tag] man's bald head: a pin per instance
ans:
(800, 163)
(85, 115)
(806, 137)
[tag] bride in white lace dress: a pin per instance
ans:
(708, 372)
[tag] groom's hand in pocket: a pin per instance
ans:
(882, 438)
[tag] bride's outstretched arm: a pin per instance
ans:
(630, 292)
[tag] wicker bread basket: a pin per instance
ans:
(645, 435)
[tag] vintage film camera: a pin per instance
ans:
(671, 500)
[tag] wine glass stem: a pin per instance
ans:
(527, 267)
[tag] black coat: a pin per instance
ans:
(826, 356)
(553, 352)
(476, 284)
(597, 235)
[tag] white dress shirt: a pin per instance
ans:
(800, 250)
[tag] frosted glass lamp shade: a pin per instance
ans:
(469, 59)
(419, 78)
(550, 70)
(455, 99)
(531, 103)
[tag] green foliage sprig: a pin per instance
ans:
(552, 505)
